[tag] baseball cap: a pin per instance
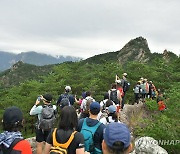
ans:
(148, 145)
(47, 97)
(12, 115)
(117, 132)
(111, 109)
(68, 88)
(95, 106)
(124, 74)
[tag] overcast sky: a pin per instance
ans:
(88, 27)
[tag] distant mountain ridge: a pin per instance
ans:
(7, 59)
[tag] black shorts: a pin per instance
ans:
(41, 135)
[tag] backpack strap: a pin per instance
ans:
(65, 145)
(95, 127)
(8, 150)
(107, 119)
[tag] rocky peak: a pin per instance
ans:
(135, 50)
(16, 65)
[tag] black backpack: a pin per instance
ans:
(64, 101)
(126, 86)
(47, 118)
(113, 96)
(10, 150)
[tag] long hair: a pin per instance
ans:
(68, 118)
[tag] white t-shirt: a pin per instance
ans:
(105, 122)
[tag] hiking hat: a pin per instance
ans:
(111, 109)
(141, 78)
(148, 145)
(68, 88)
(115, 132)
(47, 98)
(95, 106)
(12, 115)
(124, 74)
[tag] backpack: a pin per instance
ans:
(121, 91)
(64, 101)
(113, 96)
(88, 133)
(126, 86)
(137, 89)
(87, 105)
(47, 118)
(10, 150)
(59, 148)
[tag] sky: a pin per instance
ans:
(84, 28)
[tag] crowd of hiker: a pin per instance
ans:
(146, 89)
(94, 128)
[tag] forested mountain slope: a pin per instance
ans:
(20, 72)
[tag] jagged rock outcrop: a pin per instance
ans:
(16, 65)
(135, 50)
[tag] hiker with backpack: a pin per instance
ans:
(143, 90)
(147, 88)
(137, 90)
(92, 130)
(86, 104)
(161, 102)
(111, 116)
(46, 119)
(103, 102)
(102, 112)
(126, 85)
(11, 140)
(65, 139)
(115, 96)
(117, 139)
(66, 99)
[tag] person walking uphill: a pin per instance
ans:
(11, 140)
(65, 137)
(125, 85)
(92, 130)
(66, 99)
(115, 96)
(46, 119)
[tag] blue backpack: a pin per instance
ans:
(88, 133)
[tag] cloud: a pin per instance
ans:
(85, 28)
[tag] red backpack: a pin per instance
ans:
(121, 91)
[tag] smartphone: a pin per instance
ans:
(39, 98)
